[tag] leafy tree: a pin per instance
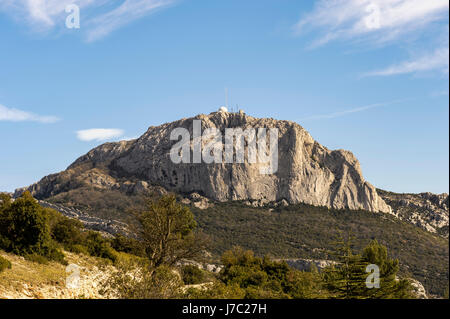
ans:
(167, 233)
(25, 229)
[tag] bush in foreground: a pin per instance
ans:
(4, 264)
(25, 229)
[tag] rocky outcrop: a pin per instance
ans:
(307, 264)
(108, 227)
(418, 289)
(426, 210)
(307, 171)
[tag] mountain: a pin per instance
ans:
(295, 213)
(307, 172)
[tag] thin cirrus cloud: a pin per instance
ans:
(437, 60)
(41, 15)
(129, 11)
(377, 23)
(16, 115)
(351, 111)
(99, 134)
(98, 17)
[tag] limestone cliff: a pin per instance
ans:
(307, 171)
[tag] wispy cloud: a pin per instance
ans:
(16, 115)
(99, 134)
(98, 17)
(129, 138)
(383, 20)
(350, 111)
(376, 23)
(128, 11)
(438, 60)
(41, 15)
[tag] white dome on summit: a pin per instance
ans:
(223, 109)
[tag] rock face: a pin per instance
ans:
(107, 227)
(426, 210)
(306, 264)
(307, 171)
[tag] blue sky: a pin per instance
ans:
(367, 76)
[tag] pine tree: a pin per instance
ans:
(346, 279)
(391, 287)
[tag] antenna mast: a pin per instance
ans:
(226, 97)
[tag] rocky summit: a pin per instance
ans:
(307, 171)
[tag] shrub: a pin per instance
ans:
(99, 246)
(52, 252)
(67, 231)
(36, 258)
(192, 275)
(4, 264)
(128, 245)
(25, 229)
(266, 278)
(78, 249)
(24, 225)
(133, 280)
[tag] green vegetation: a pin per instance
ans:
(296, 231)
(99, 246)
(247, 276)
(25, 228)
(303, 231)
(347, 279)
(39, 234)
(67, 231)
(265, 278)
(4, 264)
(133, 280)
(167, 232)
(128, 245)
(166, 235)
(192, 275)
(108, 204)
